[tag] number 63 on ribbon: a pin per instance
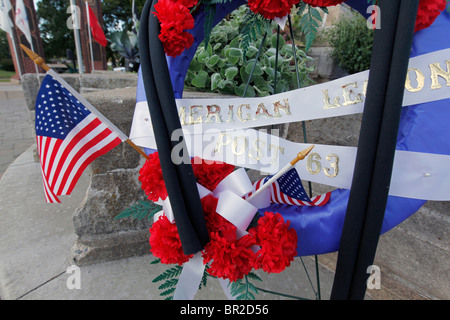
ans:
(314, 164)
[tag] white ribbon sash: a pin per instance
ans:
(415, 175)
(428, 80)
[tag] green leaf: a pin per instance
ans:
(234, 52)
(167, 292)
(255, 26)
(200, 79)
(215, 80)
(243, 290)
(315, 13)
(213, 61)
(195, 66)
(170, 278)
(169, 274)
(254, 276)
(281, 41)
(231, 72)
(140, 210)
(257, 71)
(240, 91)
(203, 56)
(251, 51)
(168, 284)
(309, 24)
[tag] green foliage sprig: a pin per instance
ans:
(243, 289)
(255, 26)
(140, 210)
(170, 280)
(309, 22)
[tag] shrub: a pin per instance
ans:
(352, 43)
(7, 65)
(222, 67)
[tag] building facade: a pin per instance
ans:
(98, 52)
(23, 64)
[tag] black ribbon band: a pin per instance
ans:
(179, 178)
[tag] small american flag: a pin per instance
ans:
(288, 189)
(69, 136)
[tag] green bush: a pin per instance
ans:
(222, 67)
(7, 64)
(352, 43)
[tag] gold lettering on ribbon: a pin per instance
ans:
(182, 115)
(257, 154)
(239, 113)
(192, 113)
(334, 166)
(347, 92)
(261, 111)
(326, 100)
(230, 114)
(277, 106)
(221, 142)
(276, 150)
(437, 71)
(236, 144)
(314, 165)
(420, 78)
(213, 112)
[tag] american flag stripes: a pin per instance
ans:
(288, 189)
(69, 136)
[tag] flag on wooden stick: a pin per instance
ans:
(70, 135)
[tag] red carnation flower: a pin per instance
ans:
(278, 243)
(323, 3)
(174, 19)
(214, 221)
(271, 9)
(229, 257)
(209, 173)
(165, 242)
(187, 3)
(428, 11)
(151, 178)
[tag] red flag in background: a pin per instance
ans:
(97, 31)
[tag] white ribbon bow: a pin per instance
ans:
(231, 205)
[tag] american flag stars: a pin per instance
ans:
(58, 111)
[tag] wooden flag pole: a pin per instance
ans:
(302, 155)
(36, 58)
(40, 62)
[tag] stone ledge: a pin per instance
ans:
(108, 247)
(80, 82)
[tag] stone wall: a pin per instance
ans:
(114, 186)
(83, 83)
